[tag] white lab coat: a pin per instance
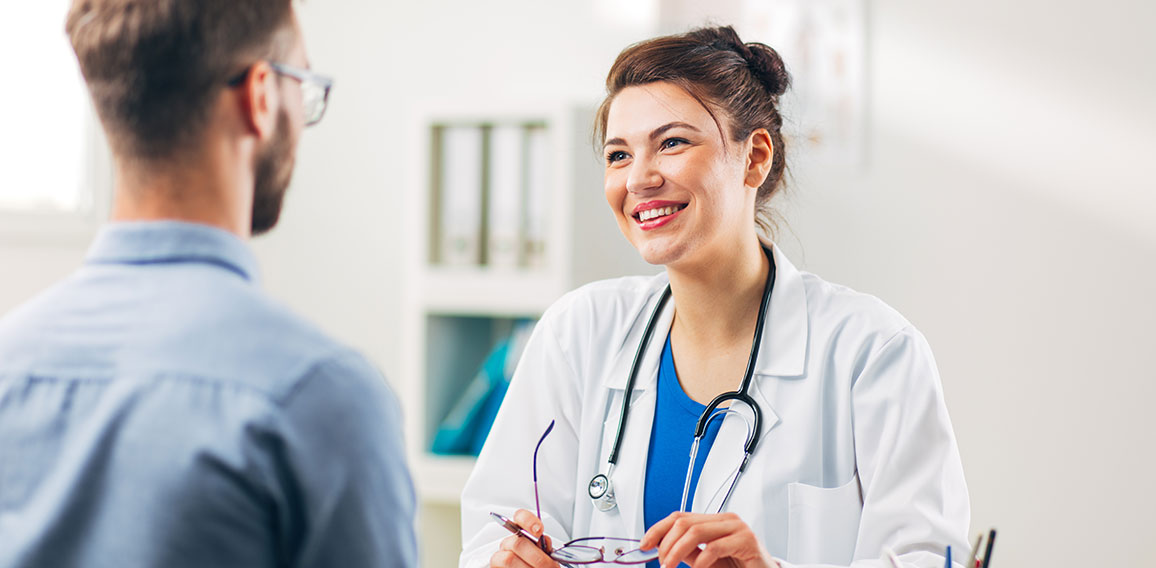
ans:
(857, 451)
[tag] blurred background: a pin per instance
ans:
(984, 167)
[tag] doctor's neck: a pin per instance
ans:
(717, 302)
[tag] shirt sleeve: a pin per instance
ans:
(350, 500)
(915, 500)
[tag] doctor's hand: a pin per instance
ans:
(520, 552)
(721, 540)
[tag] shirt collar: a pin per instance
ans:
(161, 242)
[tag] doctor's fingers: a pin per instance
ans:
(686, 534)
(739, 549)
(528, 521)
(520, 552)
(657, 531)
(678, 522)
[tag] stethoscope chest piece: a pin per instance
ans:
(602, 493)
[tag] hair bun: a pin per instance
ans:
(767, 66)
(763, 61)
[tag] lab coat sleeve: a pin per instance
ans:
(915, 500)
(544, 387)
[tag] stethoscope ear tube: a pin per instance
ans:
(744, 388)
(768, 287)
(738, 471)
(705, 417)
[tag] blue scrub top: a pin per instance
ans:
(675, 417)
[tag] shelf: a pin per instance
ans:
(485, 291)
(440, 479)
(456, 308)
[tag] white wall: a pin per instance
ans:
(342, 229)
(1009, 212)
(1006, 208)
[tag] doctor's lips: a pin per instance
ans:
(654, 214)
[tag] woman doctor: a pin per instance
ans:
(849, 451)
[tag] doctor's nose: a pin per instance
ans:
(643, 176)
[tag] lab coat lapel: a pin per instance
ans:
(630, 472)
(627, 346)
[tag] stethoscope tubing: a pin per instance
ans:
(646, 335)
(694, 455)
(744, 388)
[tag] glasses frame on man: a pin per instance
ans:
(314, 88)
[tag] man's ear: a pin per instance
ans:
(258, 100)
(760, 155)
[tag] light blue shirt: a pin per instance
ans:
(157, 409)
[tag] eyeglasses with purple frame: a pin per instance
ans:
(580, 551)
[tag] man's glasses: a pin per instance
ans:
(314, 88)
(588, 550)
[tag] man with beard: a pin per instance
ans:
(156, 408)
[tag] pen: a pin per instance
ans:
(948, 563)
(974, 550)
(990, 545)
(894, 559)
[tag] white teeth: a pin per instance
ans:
(656, 212)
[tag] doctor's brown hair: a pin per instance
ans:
(154, 67)
(742, 80)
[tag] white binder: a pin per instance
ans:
(506, 204)
(461, 195)
(537, 199)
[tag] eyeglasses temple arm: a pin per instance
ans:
(537, 503)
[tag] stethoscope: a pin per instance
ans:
(601, 490)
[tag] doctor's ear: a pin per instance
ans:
(760, 155)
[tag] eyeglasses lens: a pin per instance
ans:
(313, 96)
(618, 551)
(637, 556)
(577, 554)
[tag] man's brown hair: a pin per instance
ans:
(154, 67)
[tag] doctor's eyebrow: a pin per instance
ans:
(654, 133)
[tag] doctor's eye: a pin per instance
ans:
(673, 143)
(615, 156)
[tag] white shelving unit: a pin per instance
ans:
(454, 315)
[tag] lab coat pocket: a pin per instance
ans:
(823, 523)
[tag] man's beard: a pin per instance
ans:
(274, 170)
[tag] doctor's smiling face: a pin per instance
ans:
(676, 181)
